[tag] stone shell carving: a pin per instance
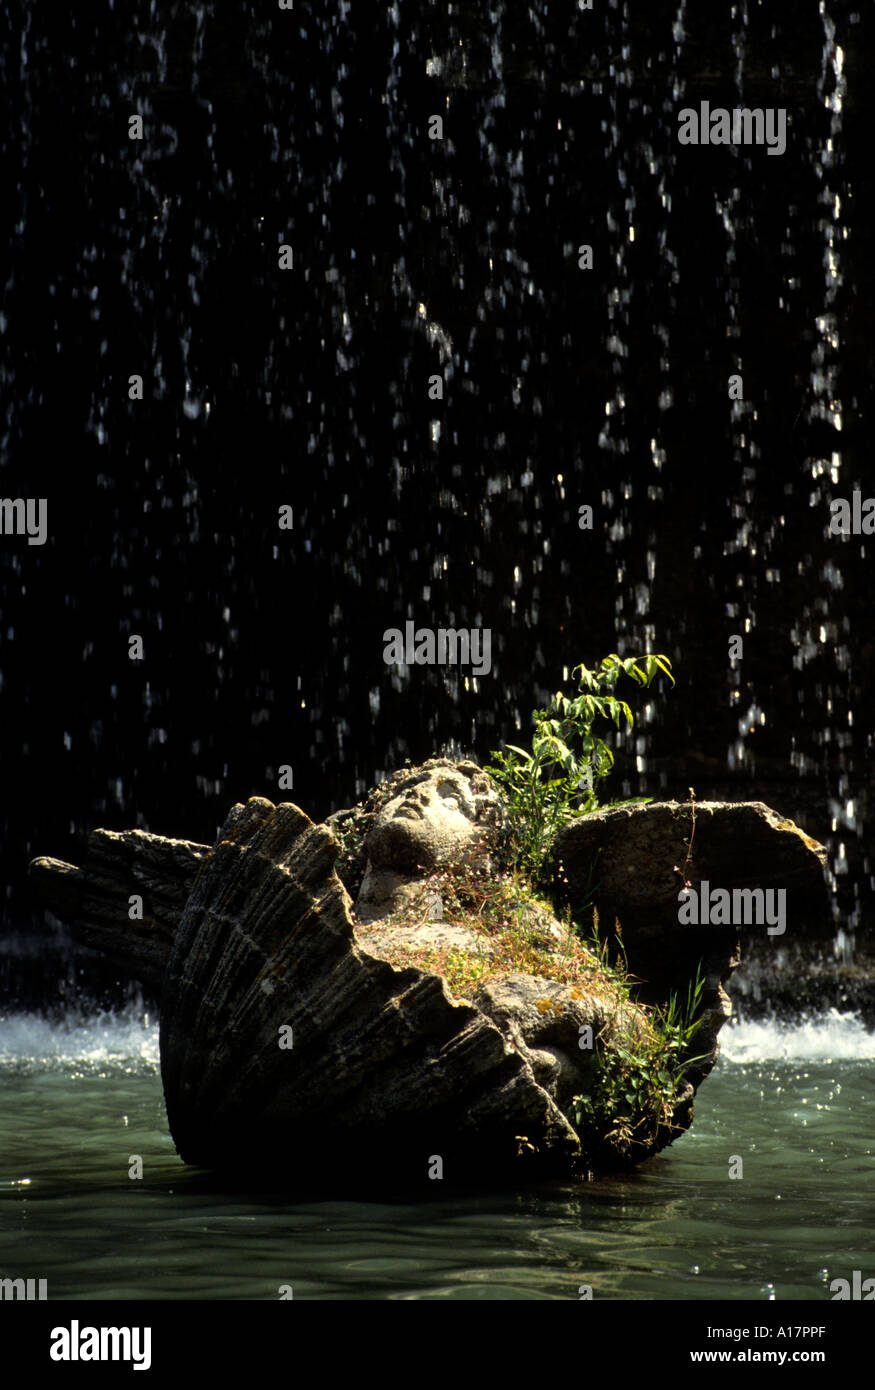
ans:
(385, 1069)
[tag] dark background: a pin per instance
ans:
(264, 647)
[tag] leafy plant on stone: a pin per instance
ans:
(558, 778)
(636, 1079)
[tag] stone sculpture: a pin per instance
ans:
(290, 1045)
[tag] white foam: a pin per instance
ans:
(828, 1037)
(130, 1039)
(125, 1041)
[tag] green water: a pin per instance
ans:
(797, 1106)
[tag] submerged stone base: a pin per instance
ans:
(287, 1036)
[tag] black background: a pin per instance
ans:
(264, 647)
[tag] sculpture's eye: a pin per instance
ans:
(449, 794)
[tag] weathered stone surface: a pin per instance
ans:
(385, 1069)
(431, 936)
(60, 886)
(543, 1019)
(627, 858)
(94, 900)
(735, 845)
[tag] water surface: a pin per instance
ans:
(796, 1104)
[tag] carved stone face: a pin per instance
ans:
(436, 812)
(431, 816)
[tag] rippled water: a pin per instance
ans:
(797, 1104)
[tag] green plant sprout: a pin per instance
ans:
(558, 778)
